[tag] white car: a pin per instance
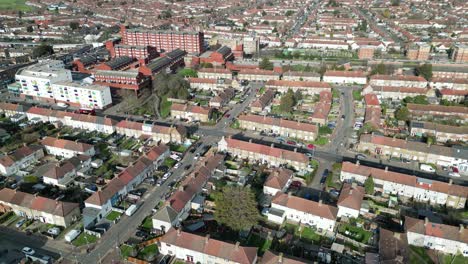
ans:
(177, 166)
(62, 105)
(165, 176)
(28, 251)
(454, 174)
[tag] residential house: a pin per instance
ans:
(191, 112)
(20, 159)
(442, 133)
(222, 98)
(301, 76)
(418, 151)
(43, 209)
(210, 84)
(322, 108)
(398, 81)
(452, 95)
(350, 200)
(263, 101)
(449, 83)
(283, 127)
(178, 206)
(397, 92)
(203, 249)
(345, 77)
(458, 112)
(265, 154)
(63, 174)
(148, 130)
(272, 258)
(278, 181)
(285, 207)
(258, 75)
(393, 247)
(100, 203)
(444, 238)
(420, 189)
(214, 73)
(67, 148)
(305, 87)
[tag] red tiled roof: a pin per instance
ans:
(271, 258)
(267, 150)
(436, 230)
(37, 203)
(353, 74)
(227, 251)
(278, 178)
(65, 144)
(351, 197)
(305, 84)
(280, 123)
(398, 78)
(304, 205)
(190, 108)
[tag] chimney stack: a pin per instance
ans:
(386, 168)
(280, 258)
(289, 194)
(426, 221)
(357, 162)
(272, 145)
(237, 245)
(462, 228)
(178, 231)
(450, 182)
(320, 202)
(295, 149)
(250, 140)
(396, 235)
(207, 238)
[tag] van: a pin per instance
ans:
(132, 209)
(70, 236)
(428, 168)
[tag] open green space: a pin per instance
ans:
(320, 141)
(151, 250)
(165, 107)
(308, 235)
(169, 162)
(458, 259)
(147, 223)
(416, 254)
(178, 148)
(18, 5)
(126, 251)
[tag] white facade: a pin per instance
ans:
(68, 153)
(437, 243)
(345, 79)
(348, 212)
(87, 95)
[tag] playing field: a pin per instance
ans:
(18, 5)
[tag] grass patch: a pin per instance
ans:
(169, 162)
(355, 233)
(84, 239)
(178, 148)
(308, 235)
(260, 242)
(418, 253)
(18, 5)
(357, 96)
(6, 216)
(335, 93)
(320, 141)
(165, 107)
(126, 251)
(147, 223)
(458, 259)
(151, 250)
(113, 215)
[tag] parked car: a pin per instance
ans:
(70, 236)
(361, 156)
(426, 167)
(20, 223)
(28, 251)
(311, 146)
(296, 184)
(454, 174)
(290, 142)
(54, 231)
(177, 166)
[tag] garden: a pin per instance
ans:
(355, 233)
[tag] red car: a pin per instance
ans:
(227, 115)
(291, 142)
(87, 111)
(311, 146)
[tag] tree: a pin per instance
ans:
(380, 69)
(287, 102)
(30, 29)
(297, 96)
(386, 13)
(266, 64)
(289, 13)
(43, 50)
(418, 99)
(402, 114)
(74, 25)
(369, 185)
(236, 208)
(424, 70)
(307, 68)
(395, 2)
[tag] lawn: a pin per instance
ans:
(148, 251)
(147, 223)
(113, 215)
(125, 251)
(320, 141)
(6, 216)
(308, 235)
(260, 242)
(84, 239)
(169, 162)
(18, 5)
(357, 95)
(458, 259)
(178, 148)
(417, 254)
(335, 93)
(355, 233)
(164, 107)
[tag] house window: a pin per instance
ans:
(189, 258)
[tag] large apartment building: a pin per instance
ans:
(50, 81)
(164, 41)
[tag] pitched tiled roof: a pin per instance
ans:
(190, 108)
(267, 150)
(352, 74)
(278, 178)
(209, 246)
(398, 78)
(304, 84)
(37, 203)
(65, 144)
(405, 179)
(272, 258)
(448, 232)
(304, 205)
(351, 197)
(280, 122)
